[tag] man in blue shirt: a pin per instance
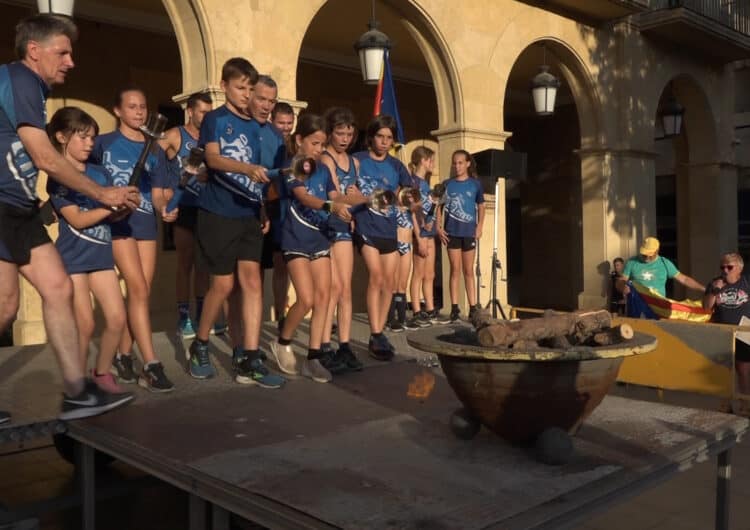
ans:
(43, 45)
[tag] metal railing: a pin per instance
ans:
(734, 14)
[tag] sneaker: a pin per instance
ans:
(473, 311)
(122, 367)
(455, 315)
(423, 319)
(332, 362)
(186, 329)
(387, 344)
(200, 366)
(437, 318)
(238, 353)
(219, 328)
(314, 370)
(154, 379)
(4, 417)
(253, 372)
(106, 382)
(379, 348)
(285, 358)
(395, 326)
(411, 324)
(91, 401)
(350, 360)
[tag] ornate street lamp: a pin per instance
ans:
(671, 115)
(371, 47)
(57, 7)
(544, 89)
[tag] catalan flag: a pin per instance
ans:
(644, 302)
(385, 97)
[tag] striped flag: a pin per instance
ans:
(644, 302)
(385, 97)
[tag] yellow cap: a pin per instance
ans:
(650, 246)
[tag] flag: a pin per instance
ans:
(385, 97)
(644, 302)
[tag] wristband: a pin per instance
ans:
(327, 206)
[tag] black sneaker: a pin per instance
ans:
(122, 367)
(252, 371)
(423, 319)
(4, 417)
(91, 401)
(411, 323)
(437, 318)
(380, 349)
(455, 315)
(199, 362)
(332, 362)
(473, 311)
(350, 360)
(395, 326)
(154, 379)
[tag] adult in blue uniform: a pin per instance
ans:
(375, 229)
(307, 251)
(44, 49)
(134, 238)
(177, 144)
(460, 226)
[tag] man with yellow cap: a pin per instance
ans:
(652, 270)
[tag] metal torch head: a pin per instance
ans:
(407, 196)
(154, 126)
(382, 199)
(438, 192)
(302, 167)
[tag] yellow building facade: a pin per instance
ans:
(601, 175)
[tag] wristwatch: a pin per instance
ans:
(327, 206)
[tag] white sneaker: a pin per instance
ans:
(315, 371)
(285, 358)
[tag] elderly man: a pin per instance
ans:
(43, 45)
(729, 296)
(652, 270)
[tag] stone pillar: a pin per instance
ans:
(619, 210)
(474, 140)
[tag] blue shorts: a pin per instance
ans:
(138, 225)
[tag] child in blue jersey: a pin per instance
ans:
(177, 143)
(134, 238)
(341, 130)
(423, 275)
(375, 230)
(307, 250)
(229, 233)
(460, 222)
(85, 243)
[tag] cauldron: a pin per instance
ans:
(520, 394)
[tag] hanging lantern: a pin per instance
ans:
(544, 91)
(371, 47)
(671, 117)
(56, 7)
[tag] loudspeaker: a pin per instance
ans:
(494, 163)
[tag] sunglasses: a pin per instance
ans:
(726, 267)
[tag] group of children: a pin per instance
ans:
(298, 203)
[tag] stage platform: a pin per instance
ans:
(370, 450)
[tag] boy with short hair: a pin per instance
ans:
(229, 231)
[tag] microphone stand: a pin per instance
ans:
(494, 302)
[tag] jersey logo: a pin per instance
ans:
(454, 207)
(22, 168)
(239, 149)
(732, 298)
(121, 169)
(647, 276)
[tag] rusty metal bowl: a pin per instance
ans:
(519, 394)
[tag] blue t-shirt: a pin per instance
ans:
(22, 98)
(346, 177)
(231, 194)
(304, 228)
(119, 156)
(387, 174)
(193, 187)
(272, 157)
(461, 200)
(88, 249)
(424, 193)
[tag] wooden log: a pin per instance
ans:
(613, 335)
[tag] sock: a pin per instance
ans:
(344, 346)
(454, 308)
(252, 354)
(151, 363)
(198, 307)
(125, 354)
(183, 308)
(285, 342)
(376, 335)
(313, 353)
(401, 306)
(392, 310)
(325, 346)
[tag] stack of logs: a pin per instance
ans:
(552, 330)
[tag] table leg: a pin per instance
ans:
(219, 518)
(197, 513)
(87, 476)
(724, 475)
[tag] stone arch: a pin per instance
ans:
(194, 42)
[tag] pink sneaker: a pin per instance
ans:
(107, 383)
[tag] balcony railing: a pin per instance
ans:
(734, 14)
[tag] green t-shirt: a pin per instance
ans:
(653, 274)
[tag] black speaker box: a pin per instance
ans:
(494, 163)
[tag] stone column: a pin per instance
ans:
(619, 210)
(474, 140)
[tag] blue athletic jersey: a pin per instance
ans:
(231, 194)
(461, 200)
(22, 98)
(304, 229)
(424, 193)
(88, 249)
(119, 156)
(346, 178)
(386, 174)
(273, 156)
(193, 187)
